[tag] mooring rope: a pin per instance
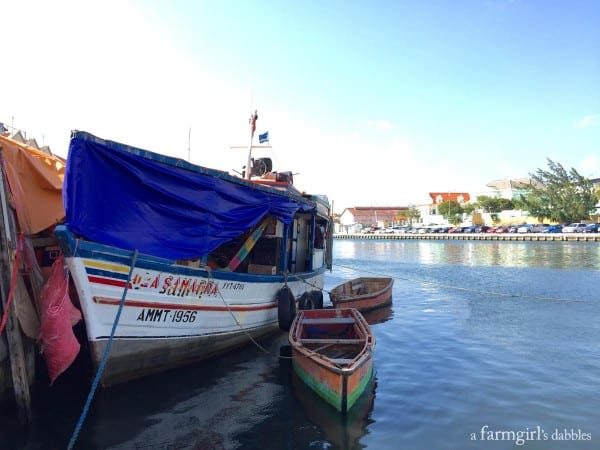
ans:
(90, 396)
(240, 326)
(461, 288)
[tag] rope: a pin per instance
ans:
(88, 402)
(236, 321)
(13, 282)
(240, 326)
(464, 289)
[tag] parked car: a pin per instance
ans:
(538, 227)
(553, 229)
(470, 229)
(513, 229)
(482, 229)
(525, 228)
(592, 228)
(574, 228)
(502, 229)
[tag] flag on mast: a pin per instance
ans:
(263, 137)
(252, 121)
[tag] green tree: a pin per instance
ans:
(412, 214)
(560, 195)
(494, 204)
(469, 208)
(451, 211)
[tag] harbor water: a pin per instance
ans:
(487, 345)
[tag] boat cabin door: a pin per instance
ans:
(299, 251)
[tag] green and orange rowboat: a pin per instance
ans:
(332, 351)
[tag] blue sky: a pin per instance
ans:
(371, 103)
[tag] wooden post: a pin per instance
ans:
(14, 337)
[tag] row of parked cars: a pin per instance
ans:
(524, 228)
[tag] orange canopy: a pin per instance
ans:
(36, 180)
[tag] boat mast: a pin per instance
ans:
(253, 119)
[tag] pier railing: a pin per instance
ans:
(574, 237)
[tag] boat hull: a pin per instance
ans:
(171, 315)
(364, 294)
(340, 384)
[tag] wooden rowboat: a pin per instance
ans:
(332, 352)
(363, 293)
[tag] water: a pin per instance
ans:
(485, 340)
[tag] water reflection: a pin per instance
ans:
(343, 431)
(379, 315)
(558, 255)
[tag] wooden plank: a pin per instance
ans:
(331, 320)
(16, 351)
(341, 360)
(332, 341)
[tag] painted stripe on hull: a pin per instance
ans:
(152, 304)
(340, 390)
(331, 396)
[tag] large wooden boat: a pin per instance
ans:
(190, 261)
(364, 293)
(332, 352)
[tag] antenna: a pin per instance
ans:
(253, 119)
(189, 139)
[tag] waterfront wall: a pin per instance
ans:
(538, 237)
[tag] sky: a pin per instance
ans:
(370, 103)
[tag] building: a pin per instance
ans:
(352, 220)
(429, 211)
(509, 189)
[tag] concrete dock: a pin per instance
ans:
(538, 237)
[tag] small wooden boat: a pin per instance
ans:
(363, 293)
(332, 352)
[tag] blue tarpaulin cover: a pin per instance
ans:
(131, 198)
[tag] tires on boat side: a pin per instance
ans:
(311, 300)
(305, 302)
(317, 299)
(286, 308)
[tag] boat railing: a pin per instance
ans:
(331, 341)
(328, 320)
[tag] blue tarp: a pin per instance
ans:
(135, 199)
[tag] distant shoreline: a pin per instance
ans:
(536, 237)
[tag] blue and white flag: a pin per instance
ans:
(263, 137)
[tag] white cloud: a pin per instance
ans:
(588, 121)
(107, 69)
(380, 125)
(590, 166)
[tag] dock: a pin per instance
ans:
(536, 237)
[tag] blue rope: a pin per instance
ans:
(88, 402)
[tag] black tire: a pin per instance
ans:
(317, 299)
(305, 302)
(286, 308)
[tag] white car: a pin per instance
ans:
(574, 228)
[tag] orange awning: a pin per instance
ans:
(36, 180)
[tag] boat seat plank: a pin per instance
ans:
(341, 360)
(332, 320)
(332, 341)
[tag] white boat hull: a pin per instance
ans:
(173, 315)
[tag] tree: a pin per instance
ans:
(560, 195)
(451, 211)
(494, 204)
(412, 214)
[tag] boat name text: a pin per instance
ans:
(176, 286)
